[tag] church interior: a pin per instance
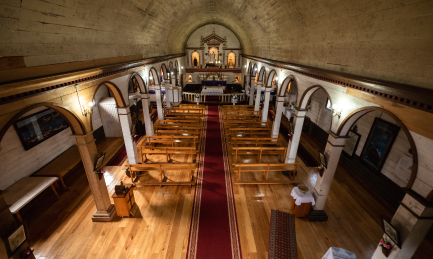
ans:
(216, 129)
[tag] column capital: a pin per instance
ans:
(280, 99)
(123, 110)
(268, 89)
(300, 113)
(336, 141)
(144, 96)
(157, 87)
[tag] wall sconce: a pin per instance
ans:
(87, 111)
(336, 110)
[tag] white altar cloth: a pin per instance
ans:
(212, 91)
(338, 253)
(302, 197)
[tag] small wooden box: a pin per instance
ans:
(302, 210)
(124, 202)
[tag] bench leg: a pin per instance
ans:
(55, 192)
(63, 183)
(18, 216)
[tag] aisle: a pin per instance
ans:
(214, 232)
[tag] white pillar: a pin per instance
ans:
(265, 109)
(258, 96)
(105, 211)
(126, 124)
(413, 219)
(292, 149)
(252, 89)
(333, 149)
(158, 102)
(167, 92)
(146, 115)
(277, 121)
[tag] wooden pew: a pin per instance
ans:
(238, 107)
(266, 168)
(190, 121)
(194, 131)
(241, 112)
(183, 116)
(183, 105)
(144, 151)
(172, 140)
(22, 192)
(250, 132)
(242, 117)
(247, 123)
(259, 151)
(182, 111)
(60, 166)
(161, 168)
(257, 142)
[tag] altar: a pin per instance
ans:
(213, 83)
(213, 91)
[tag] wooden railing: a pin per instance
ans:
(225, 98)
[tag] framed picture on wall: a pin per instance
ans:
(391, 232)
(351, 143)
(15, 240)
(378, 144)
(36, 128)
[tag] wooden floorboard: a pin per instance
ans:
(64, 229)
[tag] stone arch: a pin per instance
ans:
(153, 75)
(176, 64)
(285, 85)
(140, 81)
(170, 65)
(75, 123)
(270, 78)
(353, 117)
(254, 70)
(114, 91)
(262, 74)
(309, 92)
(164, 71)
(249, 68)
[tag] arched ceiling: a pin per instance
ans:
(388, 40)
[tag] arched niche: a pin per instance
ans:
(254, 71)
(353, 117)
(195, 56)
(114, 91)
(136, 81)
(249, 68)
(75, 123)
(231, 59)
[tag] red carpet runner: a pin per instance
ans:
(214, 232)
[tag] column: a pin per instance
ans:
(298, 122)
(413, 219)
(126, 124)
(158, 102)
(258, 96)
(252, 89)
(173, 85)
(167, 92)
(265, 109)
(105, 211)
(146, 115)
(333, 149)
(277, 120)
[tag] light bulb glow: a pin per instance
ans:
(91, 104)
(335, 106)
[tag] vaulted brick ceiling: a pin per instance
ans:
(390, 40)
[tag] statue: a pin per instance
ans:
(212, 57)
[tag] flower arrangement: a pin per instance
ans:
(197, 96)
(101, 171)
(320, 169)
(384, 245)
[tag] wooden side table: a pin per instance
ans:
(124, 202)
(302, 210)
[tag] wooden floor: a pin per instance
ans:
(64, 229)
